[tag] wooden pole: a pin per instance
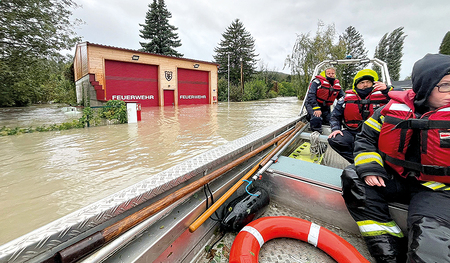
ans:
(98, 239)
(242, 79)
(199, 221)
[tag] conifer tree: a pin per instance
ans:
(354, 46)
(390, 50)
(238, 43)
(161, 36)
(445, 45)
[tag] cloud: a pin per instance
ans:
(273, 24)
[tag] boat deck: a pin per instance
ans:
(284, 249)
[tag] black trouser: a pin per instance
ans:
(428, 218)
(344, 144)
(316, 123)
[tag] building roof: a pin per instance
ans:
(147, 53)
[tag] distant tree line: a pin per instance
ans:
(239, 77)
(34, 32)
(308, 51)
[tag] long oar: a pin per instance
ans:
(285, 144)
(98, 239)
(199, 221)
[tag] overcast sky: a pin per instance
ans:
(273, 24)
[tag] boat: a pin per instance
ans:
(157, 220)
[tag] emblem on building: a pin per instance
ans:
(169, 75)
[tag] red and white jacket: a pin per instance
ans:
(396, 132)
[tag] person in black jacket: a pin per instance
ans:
(351, 111)
(402, 154)
(323, 90)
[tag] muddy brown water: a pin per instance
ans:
(46, 175)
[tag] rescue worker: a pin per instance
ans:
(403, 154)
(367, 94)
(323, 90)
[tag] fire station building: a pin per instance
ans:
(105, 73)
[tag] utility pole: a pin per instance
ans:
(242, 79)
(228, 77)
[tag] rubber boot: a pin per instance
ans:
(387, 248)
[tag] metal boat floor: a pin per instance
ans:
(284, 250)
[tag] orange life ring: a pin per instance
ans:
(248, 242)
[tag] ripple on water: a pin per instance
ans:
(47, 175)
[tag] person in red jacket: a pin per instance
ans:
(359, 103)
(322, 92)
(402, 155)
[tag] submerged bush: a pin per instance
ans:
(115, 110)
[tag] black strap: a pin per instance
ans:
(395, 121)
(364, 102)
(354, 121)
(422, 124)
(424, 142)
(332, 88)
(357, 128)
(425, 169)
(418, 124)
(323, 103)
(392, 120)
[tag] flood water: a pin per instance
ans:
(46, 175)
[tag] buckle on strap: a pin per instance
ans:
(364, 101)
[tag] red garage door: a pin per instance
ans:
(132, 82)
(193, 87)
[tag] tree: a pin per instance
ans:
(286, 89)
(390, 50)
(238, 43)
(308, 52)
(354, 47)
(445, 45)
(161, 35)
(271, 77)
(31, 35)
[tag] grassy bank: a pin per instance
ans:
(115, 111)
